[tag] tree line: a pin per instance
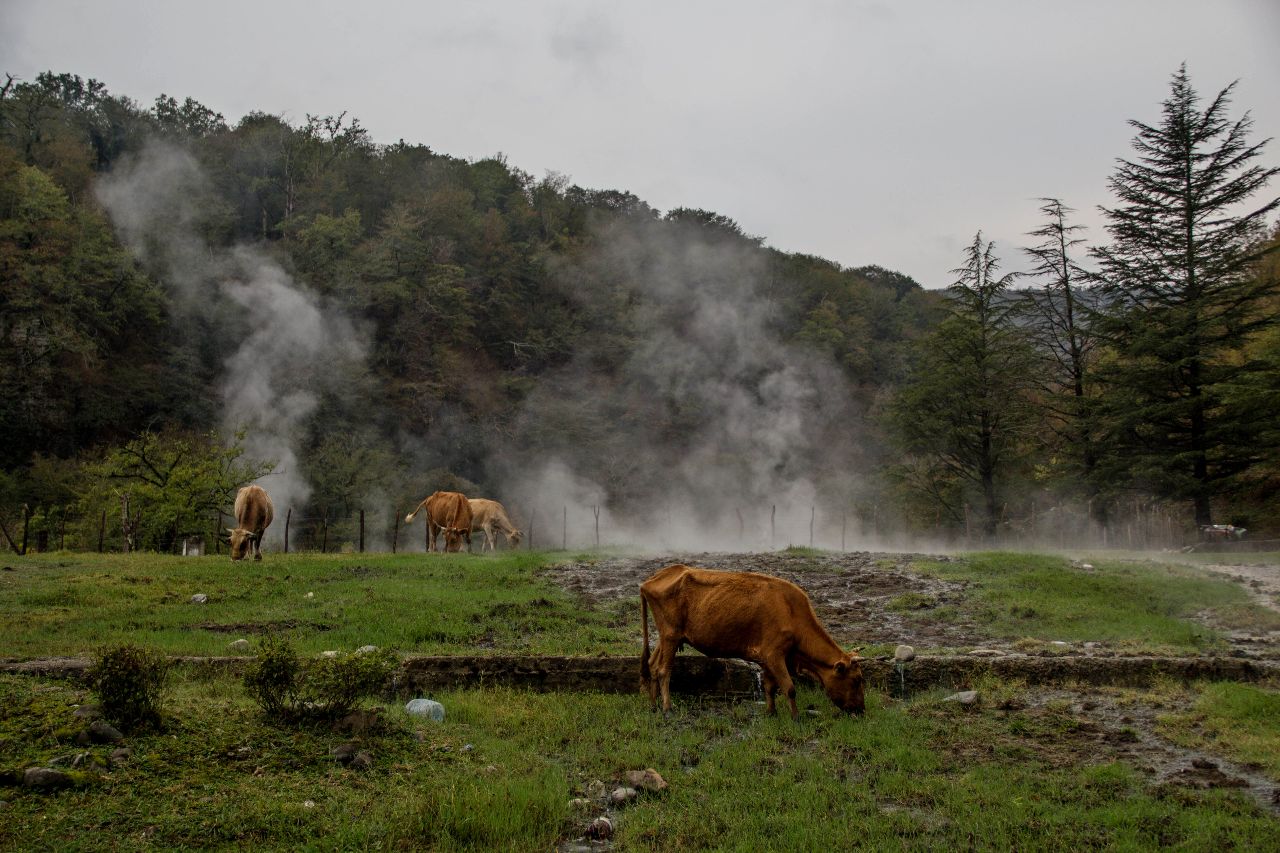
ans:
(1147, 365)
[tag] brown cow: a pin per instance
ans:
(744, 615)
(448, 512)
(487, 516)
(253, 516)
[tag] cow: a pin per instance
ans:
(253, 516)
(488, 516)
(744, 615)
(448, 512)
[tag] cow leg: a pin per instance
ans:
(775, 670)
(666, 654)
(257, 547)
(770, 690)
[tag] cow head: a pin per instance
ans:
(240, 542)
(844, 685)
(453, 538)
(513, 538)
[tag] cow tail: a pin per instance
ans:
(408, 518)
(644, 657)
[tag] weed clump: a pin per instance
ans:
(130, 684)
(290, 689)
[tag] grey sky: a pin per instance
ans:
(865, 132)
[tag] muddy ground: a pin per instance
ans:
(872, 598)
(866, 598)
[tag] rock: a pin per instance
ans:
(329, 653)
(359, 722)
(308, 804)
(310, 595)
(425, 708)
(467, 747)
(986, 653)
(1203, 764)
(121, 755)
(366, 650)
(904, 654)
(596, 790)
(88, 711)
(1059, 644)
(600, 829)
(622, 796)
(45, 779)
(647, 780)
(241, 645)
(199, 598)
(967, 698)
(101, 732)
(362, 761)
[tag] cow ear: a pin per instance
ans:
(231, 530)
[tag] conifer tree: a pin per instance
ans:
(1181, 296)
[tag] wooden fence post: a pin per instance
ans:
(812, 514)
(102, 530)
(26, 525)
(288, 516)
(596, 509)
(62, 530)
(844, 518)
(741, 527)
(773, 528)
(564, 530)
(361, 531)
(324, 544)
(395, 529)
(533, 516)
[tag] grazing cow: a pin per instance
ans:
(744, 615)
(448, 512)
(487, 516)
(253, 516)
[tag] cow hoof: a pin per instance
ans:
(257, 556)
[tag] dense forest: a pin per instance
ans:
(187, 305)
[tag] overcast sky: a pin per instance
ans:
(865, 132)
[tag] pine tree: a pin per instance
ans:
(1180, 296)
(963, 416)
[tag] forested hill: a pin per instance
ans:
(381, 320)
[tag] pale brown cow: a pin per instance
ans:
(744, 615)
(488, 516)
(448, 512)
(253, 516)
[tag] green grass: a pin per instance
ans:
(1139, 606)
(1237, 720)
(71, 604)
(500, 771)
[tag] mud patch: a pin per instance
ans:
(863, 598)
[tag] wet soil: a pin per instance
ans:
(863, 598)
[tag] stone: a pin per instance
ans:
(199, 598)
(600, 829)
(904, 654)
(425, 708)
(308, 804)
(45, 778)
(87, 711)
(121, 755)
(964, 697)
(241, 645)
(359, 721)
(467, 747)
(986, 653)
(344, 753)
(622, 796)
(1088, 567)
(596, 790)
(366, 650)
(329, 653)
(310, 595)
(363, 760)
(101, 732)
(647, 780)
(1059, 644)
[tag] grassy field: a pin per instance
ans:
(1145, 606)
(70, 604)
(501, 770)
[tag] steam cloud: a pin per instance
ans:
(706, 426)
(291, 347)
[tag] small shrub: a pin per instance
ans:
(272, 677)
(130, 684)
(286, 688)
(333, 686)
